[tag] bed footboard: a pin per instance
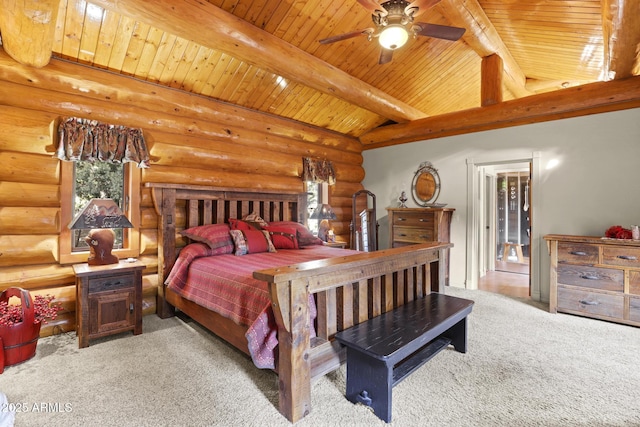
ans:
(348, 290)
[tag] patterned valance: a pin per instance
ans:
(90, 140)
(318, 171)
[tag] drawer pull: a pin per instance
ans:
(401, 219)
(583, 302)
(589, 276)
(131, 308)
(578, 253)
(402, 235)
(628, 257)
(422, 220)
(424, 236)
(109, 284)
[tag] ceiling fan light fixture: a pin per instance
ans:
(393, 37)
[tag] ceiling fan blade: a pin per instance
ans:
(418, 7)
(438, 31)
(339, 37)
(373, 7)
(386, 55)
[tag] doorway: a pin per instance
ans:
(502, 244)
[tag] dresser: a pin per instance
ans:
(409, 226)
(595, 277)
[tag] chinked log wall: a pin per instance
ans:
(191, 140)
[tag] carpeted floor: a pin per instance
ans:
(524, 367)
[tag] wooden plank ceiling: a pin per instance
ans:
(265, 54)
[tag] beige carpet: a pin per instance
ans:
(524, 367)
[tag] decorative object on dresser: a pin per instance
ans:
(595, 277)
(108, 299)
(99, 217)
(409, 226)
(425, 187)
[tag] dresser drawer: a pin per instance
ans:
(591, 303)
(634, 282)
(621, 256)
(410, 234)
(591, 277)
(634, 309)
(414, 219)
(111, 282)
(577, 253)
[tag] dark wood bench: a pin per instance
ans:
(384, 350)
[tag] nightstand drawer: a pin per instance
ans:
(408, 234)
(593, 303)
(110, 283)
(591, 277)
(577, 253)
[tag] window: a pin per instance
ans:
(81, 181)
(314, 194)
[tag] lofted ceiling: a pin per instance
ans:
(265, 55)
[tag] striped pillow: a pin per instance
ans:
(216, 236)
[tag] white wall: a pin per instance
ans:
(595, 184)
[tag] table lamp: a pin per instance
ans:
(100, 216)
(324, 213)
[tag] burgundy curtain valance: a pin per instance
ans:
(319, 171)
(90, 140)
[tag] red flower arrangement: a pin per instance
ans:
(43, 309)
(618, 232)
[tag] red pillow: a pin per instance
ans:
(283, 237)
(251, 241)
(238, 224)
(216, 236)
(305, 237)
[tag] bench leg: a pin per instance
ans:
(369, 381)
(458, 335)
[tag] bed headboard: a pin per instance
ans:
(182, 206)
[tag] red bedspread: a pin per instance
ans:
(225, 284)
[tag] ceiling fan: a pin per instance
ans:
(394, 24)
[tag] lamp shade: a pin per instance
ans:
(393, 37)
(100, 213)
(323, 211)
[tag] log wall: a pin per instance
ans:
(191, 139)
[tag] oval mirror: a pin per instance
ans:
(425, 187)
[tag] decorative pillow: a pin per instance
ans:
(238, 224)
(216, 236)
(251, 241)
(283, 237)
(305, 237)
(254, 217)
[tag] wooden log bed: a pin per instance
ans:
(348, 290)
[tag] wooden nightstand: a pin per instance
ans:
(108, 300)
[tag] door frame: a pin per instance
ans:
(476, 221)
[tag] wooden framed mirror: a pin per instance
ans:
(425, 187)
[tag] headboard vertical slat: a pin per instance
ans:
(192, 213)
(207, 212)
(233, 209)
(220, 213)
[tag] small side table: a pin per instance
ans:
(108, 300)
(341, 245)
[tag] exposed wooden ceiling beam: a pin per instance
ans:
(215, 28)
(592, 98)
(27, 28)
(621, 33)
(483, 38)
